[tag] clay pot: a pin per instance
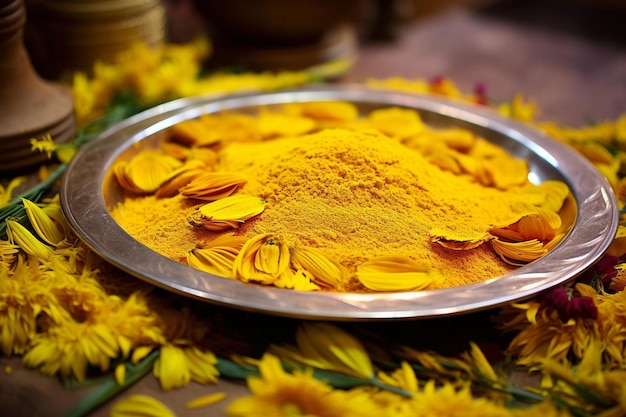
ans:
(279, 34)
(30, 107)
(71, 35)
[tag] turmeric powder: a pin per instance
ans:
(353, 195)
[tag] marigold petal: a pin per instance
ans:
(323, 270)
(228, 212)
(396, 273)
(519, 253)
(140, 405)
(212, 186)
(44, 226)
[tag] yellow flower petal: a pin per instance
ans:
(458, 242)
(212, 186)
(397, 122)
(396, 273)
(193, 133)
(228, 212)
(339, 349)
(44, 226)
(519, 253)
(149, 169)
(120, 373)
(206, 400)
(218, 256)
(21, 237)
(323, 270)
(263, 259)
(140, 405)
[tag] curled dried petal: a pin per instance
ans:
(519, 253)
(262, 259)
(228, 212)
(542, 225)
(212, 186)
(396, 273)
(180, 178)
(146, 171)
(323, 270)
(218, 256)
(458, 242)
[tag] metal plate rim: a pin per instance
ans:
(82, 200)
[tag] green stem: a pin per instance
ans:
(377, 383)
(110, 388)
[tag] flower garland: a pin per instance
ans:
(67, 313)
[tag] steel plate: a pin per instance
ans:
(87, 193)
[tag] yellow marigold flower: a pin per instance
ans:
(477, 358)
(396, 122)
(323, 270)
(590, 377)
(69, 347)
(556, 326)
(228, 212)
(6, 193)
(22, 296)
(446, 400)
(403, 378)
(263, 258)
(171, 368)
(218, 256)
(212, 186)
(546, 408)
(519, 109)
(20, 236)
(45, 145)
(280, 394)
(326, 346)
(176, 366)
(139, 405)
(43, 224)
(8, 252)
(395, 273)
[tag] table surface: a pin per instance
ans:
(574, 67)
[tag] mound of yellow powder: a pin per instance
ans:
(354, 194)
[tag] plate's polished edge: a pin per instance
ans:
(84, 205)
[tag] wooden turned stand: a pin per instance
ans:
(29, 106)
